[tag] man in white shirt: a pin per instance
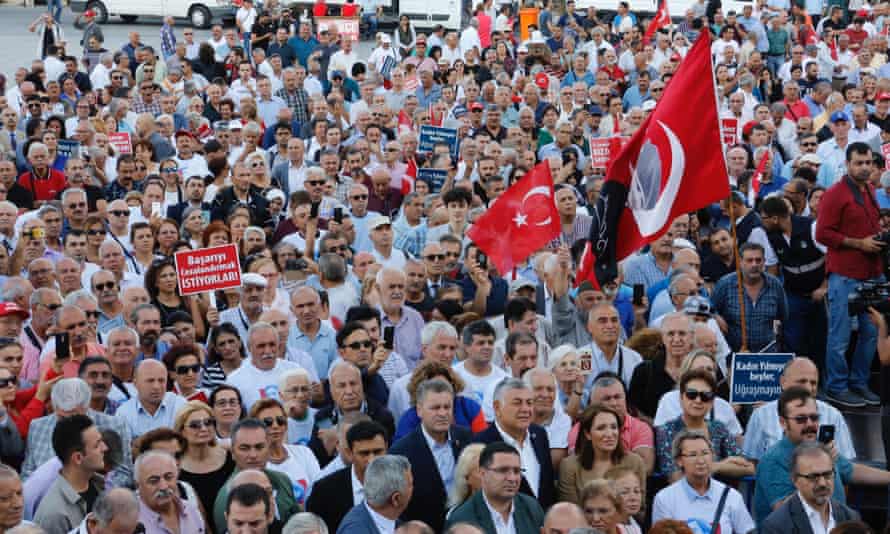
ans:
(380, 230)
(257, 378)
(476, 370)
(343, 59)
(606, 353)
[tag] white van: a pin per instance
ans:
(424, 14)
(200, 13)
(677, 8)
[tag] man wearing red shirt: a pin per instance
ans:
(795, 108)
(857, 34)
(847, 226)
(44, 182)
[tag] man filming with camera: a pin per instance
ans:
(848, 225)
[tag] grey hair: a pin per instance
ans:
(13, 288)
(384, 476)
(558, 354)
(122, 330)
(148, 455)
(39, 292)
(433, 385)
(7, 204)
(72, 191)
(687, 435)
(313, 172)
(382, 272)
(35, 147)
(80, 294)
(48, 208)
(135, 313)
(332, 267)
(117, 501)
(257, 326)
(26, 528)
(604, 382)
(433, 329)
(251, 127)
(675, 282)
(298, 372)
(305, 523)
(508, 384)
(808, 448)
(71, 393)
(534, 371)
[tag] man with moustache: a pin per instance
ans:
(96, 372)
(146, 319)
(250, 307)
(161, 510)
(799, 417)
(257, 378)
(812, 472)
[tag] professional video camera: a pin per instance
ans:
(870, 295)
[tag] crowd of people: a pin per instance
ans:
(374, 372)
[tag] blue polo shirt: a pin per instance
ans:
(774, 478)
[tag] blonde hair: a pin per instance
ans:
(186, 411)
(602, 488)
(468, 460)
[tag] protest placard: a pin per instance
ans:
(435, 178)
(121, 142)
(600, 152)
(729, 130)
(68, 148)
(430, 136)
(207, 269)
(755, 377)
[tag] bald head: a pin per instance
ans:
(801, 372)
(563, 517)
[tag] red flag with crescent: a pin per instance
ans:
(521, 221)
(662, 19)
(672, 165)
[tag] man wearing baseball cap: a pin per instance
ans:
(250, 307)
(91, 29)
(12, 317)
(833, 151)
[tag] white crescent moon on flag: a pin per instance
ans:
(538, 190)
(650, 221)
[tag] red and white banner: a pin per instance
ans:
(729, 129)
(885, 151)
(121, 142)
(207, 269)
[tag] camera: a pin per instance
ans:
(870, 295)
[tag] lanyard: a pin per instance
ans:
(620, 359)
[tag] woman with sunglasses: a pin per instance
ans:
(183, 364)
(599, 448)
(259, 171)
(96, 233)
(697, 392)
(296, 461)
(204, 464)
(225, 354)
(173, 194)
(23, 406)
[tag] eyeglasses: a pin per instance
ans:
(222, 403)
(106, 285)
(341, 248)
(358, 197)
(705, 396)
(314, 182)
(96, 232)
(279, 420)
(809, 144)
(76, 204)
(184, 369)
(802, 419)
(814, 477)
(119, 213)
(51, 307)
(92, 314)
(170, 169)
(7, 382)
(434, 257)
(202, 423)
(298, 390)
(359, 344)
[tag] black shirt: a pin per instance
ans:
(89, 496)
(649, 382)
(713, 269)
(20, 196)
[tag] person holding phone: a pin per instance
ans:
(72, 342)
(406, 321)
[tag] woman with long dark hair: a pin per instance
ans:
(225, 354)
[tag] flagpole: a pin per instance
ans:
(738, 275)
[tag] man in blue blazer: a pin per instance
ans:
(513, 407)
(433, 448)
(388, 488)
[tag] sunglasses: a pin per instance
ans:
(704, 396)
(119, 213)
(434, 257)
(312, 182)
(52, 307)
(10, 381)
(202, 423)
(357, 197)
(183, 369)
(279, 420)
(360, 344)
(92, 314)
(170, 169)
(106, 285)
(802, 419)
(77, 205)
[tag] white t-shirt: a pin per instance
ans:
(246, 17)
(396, 259)
(479, 388)
(301, 468)
(255, 384)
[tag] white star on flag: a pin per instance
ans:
(520, 219)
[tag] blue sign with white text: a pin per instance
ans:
(435, 178)
(431, 136)
(755, 377)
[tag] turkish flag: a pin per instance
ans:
(662, 20)
(521, 221)
(758, 172)
(672, 165)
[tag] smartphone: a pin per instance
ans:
(482, 259)
(155, 209)
(638, 294)
(63, 346)
(586, 362)
(295, 270)
(313, 211)
(826, 433)
(389, 337)
(338, 215)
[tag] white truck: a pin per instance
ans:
(677, 8)
(200, 13)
